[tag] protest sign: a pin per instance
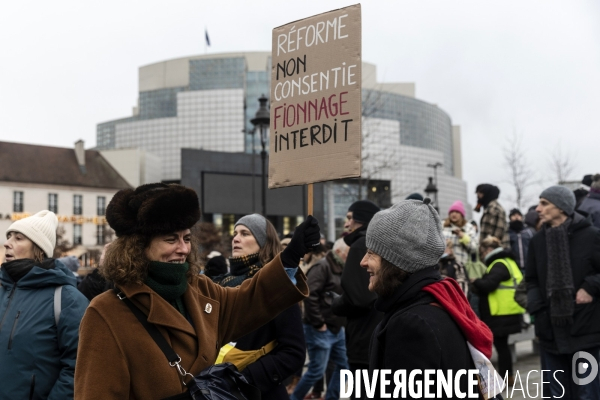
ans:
(315, 131)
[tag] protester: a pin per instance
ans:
(532, 220)
(255, 243)
(414, 196)
(563, 281)
(451, 268)
(324, 332)
(211, 249)
(461, 235)
(493, 220)
(497, 305)
(41, 311)
(590, 205)
(154, 263)
(357, 302)
(94, 283)
(519, 235)
(427, 320)
(312, 257)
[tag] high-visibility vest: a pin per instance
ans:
(502, 300)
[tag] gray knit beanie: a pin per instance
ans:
(409, 235)
(257, 225)
(562, 197)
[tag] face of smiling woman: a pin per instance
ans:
(372, 263)
(170, 248)
(17, 246)
(244, 243)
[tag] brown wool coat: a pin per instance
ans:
(117, 358)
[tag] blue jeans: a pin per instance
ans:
(322, 347)
(555, 362)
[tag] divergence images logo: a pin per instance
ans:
(581, 368)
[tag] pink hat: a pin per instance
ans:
(459, 207)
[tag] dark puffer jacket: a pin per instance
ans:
(323, 277)
(584, 252)
(414, 334)
(501, 325)
(591, 206)
(357, 303)
(36, 355)
(269, 371)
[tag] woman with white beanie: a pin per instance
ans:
(40, 312)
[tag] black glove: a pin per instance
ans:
(306, 236)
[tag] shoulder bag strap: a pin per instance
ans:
(57, 303)
(159, 339)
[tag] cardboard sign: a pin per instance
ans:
(315, 132)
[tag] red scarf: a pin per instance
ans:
(453, 300)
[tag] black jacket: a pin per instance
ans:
(357, 302)
(591, 206)
(323, 277)
(94, 284)
(502, 325)
(584, 251)
(269, 371)
(417, 335)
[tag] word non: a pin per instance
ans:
(311, 136)
(310, 35)
(319, 81)
(310, 110)
(428, 383)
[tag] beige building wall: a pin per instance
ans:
(136, 166)
(35, 198)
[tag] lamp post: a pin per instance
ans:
(262, 121)
(430, 189)
(435, 181)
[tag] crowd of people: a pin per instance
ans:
(402, 288)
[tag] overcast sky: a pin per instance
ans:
(494, 66)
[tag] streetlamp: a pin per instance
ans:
(262, 121)
(435, 167)
(430, 189)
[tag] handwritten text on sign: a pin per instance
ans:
(316, 99)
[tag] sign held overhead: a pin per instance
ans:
(316, 107)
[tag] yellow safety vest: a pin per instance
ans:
(502, 300)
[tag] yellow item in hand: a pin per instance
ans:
(240, 358)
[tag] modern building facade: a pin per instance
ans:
(206, 102)
(75, 184)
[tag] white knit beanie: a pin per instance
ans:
(40, 229)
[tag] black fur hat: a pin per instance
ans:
(153, 209)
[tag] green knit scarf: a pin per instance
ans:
(169, 280)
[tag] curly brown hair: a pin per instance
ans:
(125, 261)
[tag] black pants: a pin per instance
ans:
(504, 356)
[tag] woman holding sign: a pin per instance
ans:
(154, 266)
(278, 346)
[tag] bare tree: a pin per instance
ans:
(62, 244)
(561, 163)
(520, 172)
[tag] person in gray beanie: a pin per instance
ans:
(427, 319)
(562, 273)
